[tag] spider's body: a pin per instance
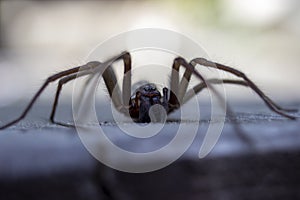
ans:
(143, 98)
(139, 104)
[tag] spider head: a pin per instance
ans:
(142, 100)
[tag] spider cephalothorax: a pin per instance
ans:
(143, 98)
(139, 104)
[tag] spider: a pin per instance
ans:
(139, 103)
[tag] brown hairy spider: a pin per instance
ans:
(148, 95)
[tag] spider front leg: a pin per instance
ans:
(273, 106)
(110, 79)
(178, 90)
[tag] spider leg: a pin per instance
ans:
(184, 84)
(173, 100)
(61, 82)
(273, 106)
(112, 86)
(110, 81)
(109, 76)
(198, 88)
(46, 83)
(177, 90)
(87, 67)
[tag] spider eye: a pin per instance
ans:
(149, 88)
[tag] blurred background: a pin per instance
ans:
(39, 38)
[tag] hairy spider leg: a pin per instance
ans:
(190, 69)
(46, 83)
(179, 89)
(110, 79)
(65, 77)
(184, 84)
(199, 87)
(273, 106)
(63, 81)
(108, 76)
(173, 100)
